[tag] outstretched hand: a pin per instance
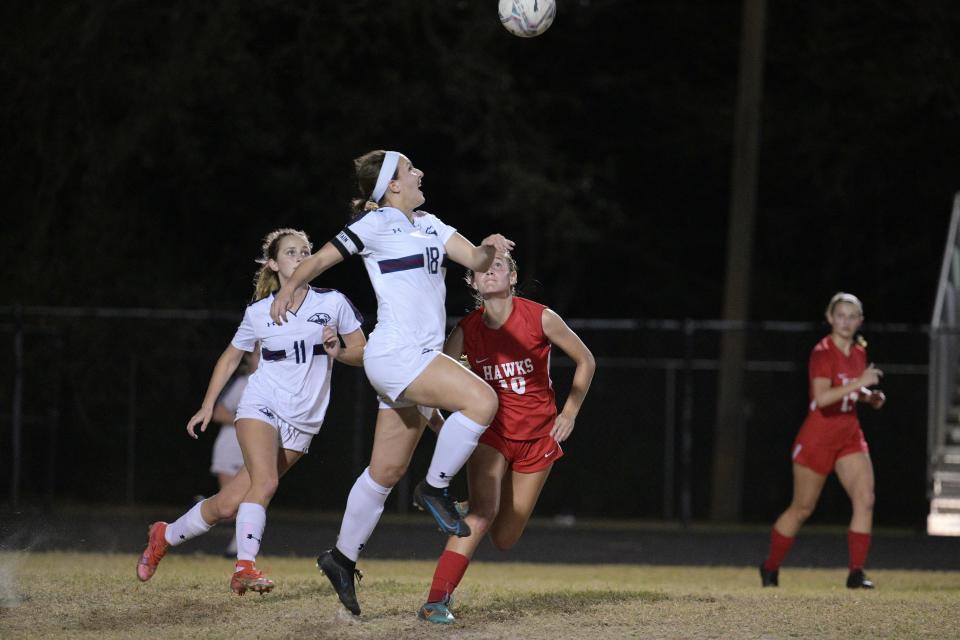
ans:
(498, 242)
(202, 418)
(282, 302)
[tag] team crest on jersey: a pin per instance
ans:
(322, 319)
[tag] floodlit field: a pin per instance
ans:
(69, 595)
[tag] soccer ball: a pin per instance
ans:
(527, 18)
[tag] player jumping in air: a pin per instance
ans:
(405, 252)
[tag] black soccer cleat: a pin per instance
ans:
(857, 580)
(439, 504)
(341, 578)
(769, 578)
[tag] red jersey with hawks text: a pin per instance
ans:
(828, 361)
(515, 361)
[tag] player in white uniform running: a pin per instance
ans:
(280, 411)
(405, 253)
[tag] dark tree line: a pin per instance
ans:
(147, 146)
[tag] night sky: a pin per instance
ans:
(149, 146)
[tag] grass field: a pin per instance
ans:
(70, 595)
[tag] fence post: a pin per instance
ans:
(669, 438)
(686, 424)
(131, 427)
(16, 423)
(53, 418)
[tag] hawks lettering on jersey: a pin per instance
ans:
(515, 361)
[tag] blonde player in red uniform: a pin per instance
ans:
(507, 342)
(831, 440)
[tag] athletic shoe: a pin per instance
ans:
(248, 578)
(341, 578)
(153, 554)
(462, 507)
(439, 504)
(437, 612)
(857, 580)
(769, 578)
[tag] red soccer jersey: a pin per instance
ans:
(828, 361)
(515, 361)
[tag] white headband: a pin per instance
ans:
(387, 169)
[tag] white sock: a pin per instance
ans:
(189, 525)
(251, 520)
(364, 507)
(457, 440)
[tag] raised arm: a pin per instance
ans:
(226, 364)
(477, 259)
(559, 334)
(310, 268)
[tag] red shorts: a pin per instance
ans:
(814, 451)
(524, 456)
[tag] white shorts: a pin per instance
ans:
(391, 366)
(289, 436)
(227, 457)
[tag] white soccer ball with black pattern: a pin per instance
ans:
(527, 18)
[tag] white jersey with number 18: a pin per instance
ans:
(406, 262)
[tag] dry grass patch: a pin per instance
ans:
(68, 595)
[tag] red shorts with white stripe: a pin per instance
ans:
(524, 456)
(814, 451)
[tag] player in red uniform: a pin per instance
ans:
(831, 440)
(507, 342)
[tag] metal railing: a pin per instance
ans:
(943, 429)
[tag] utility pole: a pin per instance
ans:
(729, 429)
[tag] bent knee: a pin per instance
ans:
(864, 501)
(802, 511)
(387, 475)
(504, 541)
(486, 405)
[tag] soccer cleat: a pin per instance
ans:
(769, 578)
(437, 612)
(248, 578)
(342, 580)
(857, 580)
(439, 504)
(156, 548)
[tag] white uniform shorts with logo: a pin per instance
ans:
(289, 436)
(391, 366)
(227, 457)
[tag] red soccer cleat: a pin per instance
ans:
(248, 578)
(153, 554)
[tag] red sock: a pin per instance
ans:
(449, 572)
(779, 545)
(858, 544)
